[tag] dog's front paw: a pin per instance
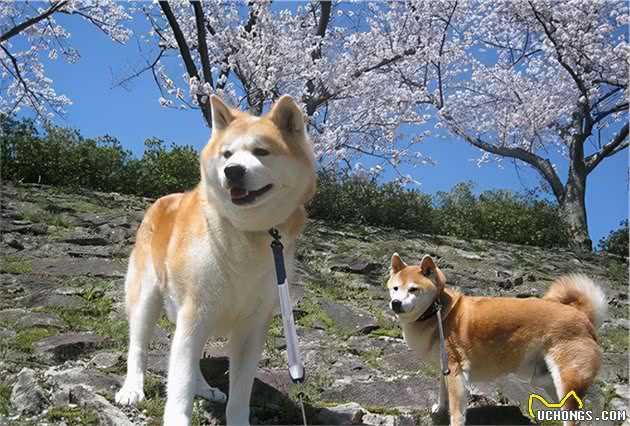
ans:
(129, 394)
(211, 394)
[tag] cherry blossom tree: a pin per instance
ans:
(528, 80)
(517, 79)
(556, 80)
(29, 33)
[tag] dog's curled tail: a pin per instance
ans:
(582, 293)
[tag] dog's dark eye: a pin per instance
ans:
(227, 154)
(395, 288)
(259, 152)
(413, 290)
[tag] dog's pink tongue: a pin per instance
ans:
(238, 193)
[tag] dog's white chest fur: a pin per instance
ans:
(233, 278)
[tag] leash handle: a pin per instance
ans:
(296, 370)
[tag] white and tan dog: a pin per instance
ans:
(204, 255)
(551, 340)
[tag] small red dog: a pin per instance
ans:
(551, 339)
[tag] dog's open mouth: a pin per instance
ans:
(242, 196)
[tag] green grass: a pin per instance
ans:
(314, 312)
(371, 358)
(25, 338)
(617, 273)
(312, 388)
(166, 324)
(72, 416)
(96, 316)
(385, 327)
(5, 399)
(614, 340)
(153, 405)
(15, 265)
(49, 216)
(377, 409)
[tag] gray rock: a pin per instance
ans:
(348, 318)
(387, 420)
(27, 396)
(614, 368)
(50, 299)
(617, 323)
(40, 319)
(407, 393)
(22, 318)
(353, 265)
(344, 414)
(503, 274)
(66, 378)
(84, 238)
(91, 267)
(93, 219)
(105, 359)
(108, 414)
(70, 291)
(13, 242)
(67, 346)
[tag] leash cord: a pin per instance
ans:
(443, 352)
(296, 369)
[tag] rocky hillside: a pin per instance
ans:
(63, 330)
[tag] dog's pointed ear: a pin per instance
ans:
(287, 115)
(430, 270)
(397, 264)
(221, 115)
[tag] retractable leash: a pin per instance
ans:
(296, 370)
(443, 353)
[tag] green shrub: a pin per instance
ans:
(63, 157)
(499, 215)
(617, 240)
(360, 200)
(493, 215)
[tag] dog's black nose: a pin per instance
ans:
(397, 306)
(234, 173)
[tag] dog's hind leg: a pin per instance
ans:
(246, 344)
(144, 304)
(571, 372)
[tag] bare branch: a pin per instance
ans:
(611, 148)
(542, 165)
(184, 50)
(202, 46)
(617, 108)
(55, 6)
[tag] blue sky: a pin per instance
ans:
(133, 115)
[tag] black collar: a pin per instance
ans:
(431, 310)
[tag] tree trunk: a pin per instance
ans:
(573, 207)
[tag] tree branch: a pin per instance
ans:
(184, 50)
(617, 108)
(55, 6)
(324, 19)
(202, 46)
(611, 148)
(542, 165)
